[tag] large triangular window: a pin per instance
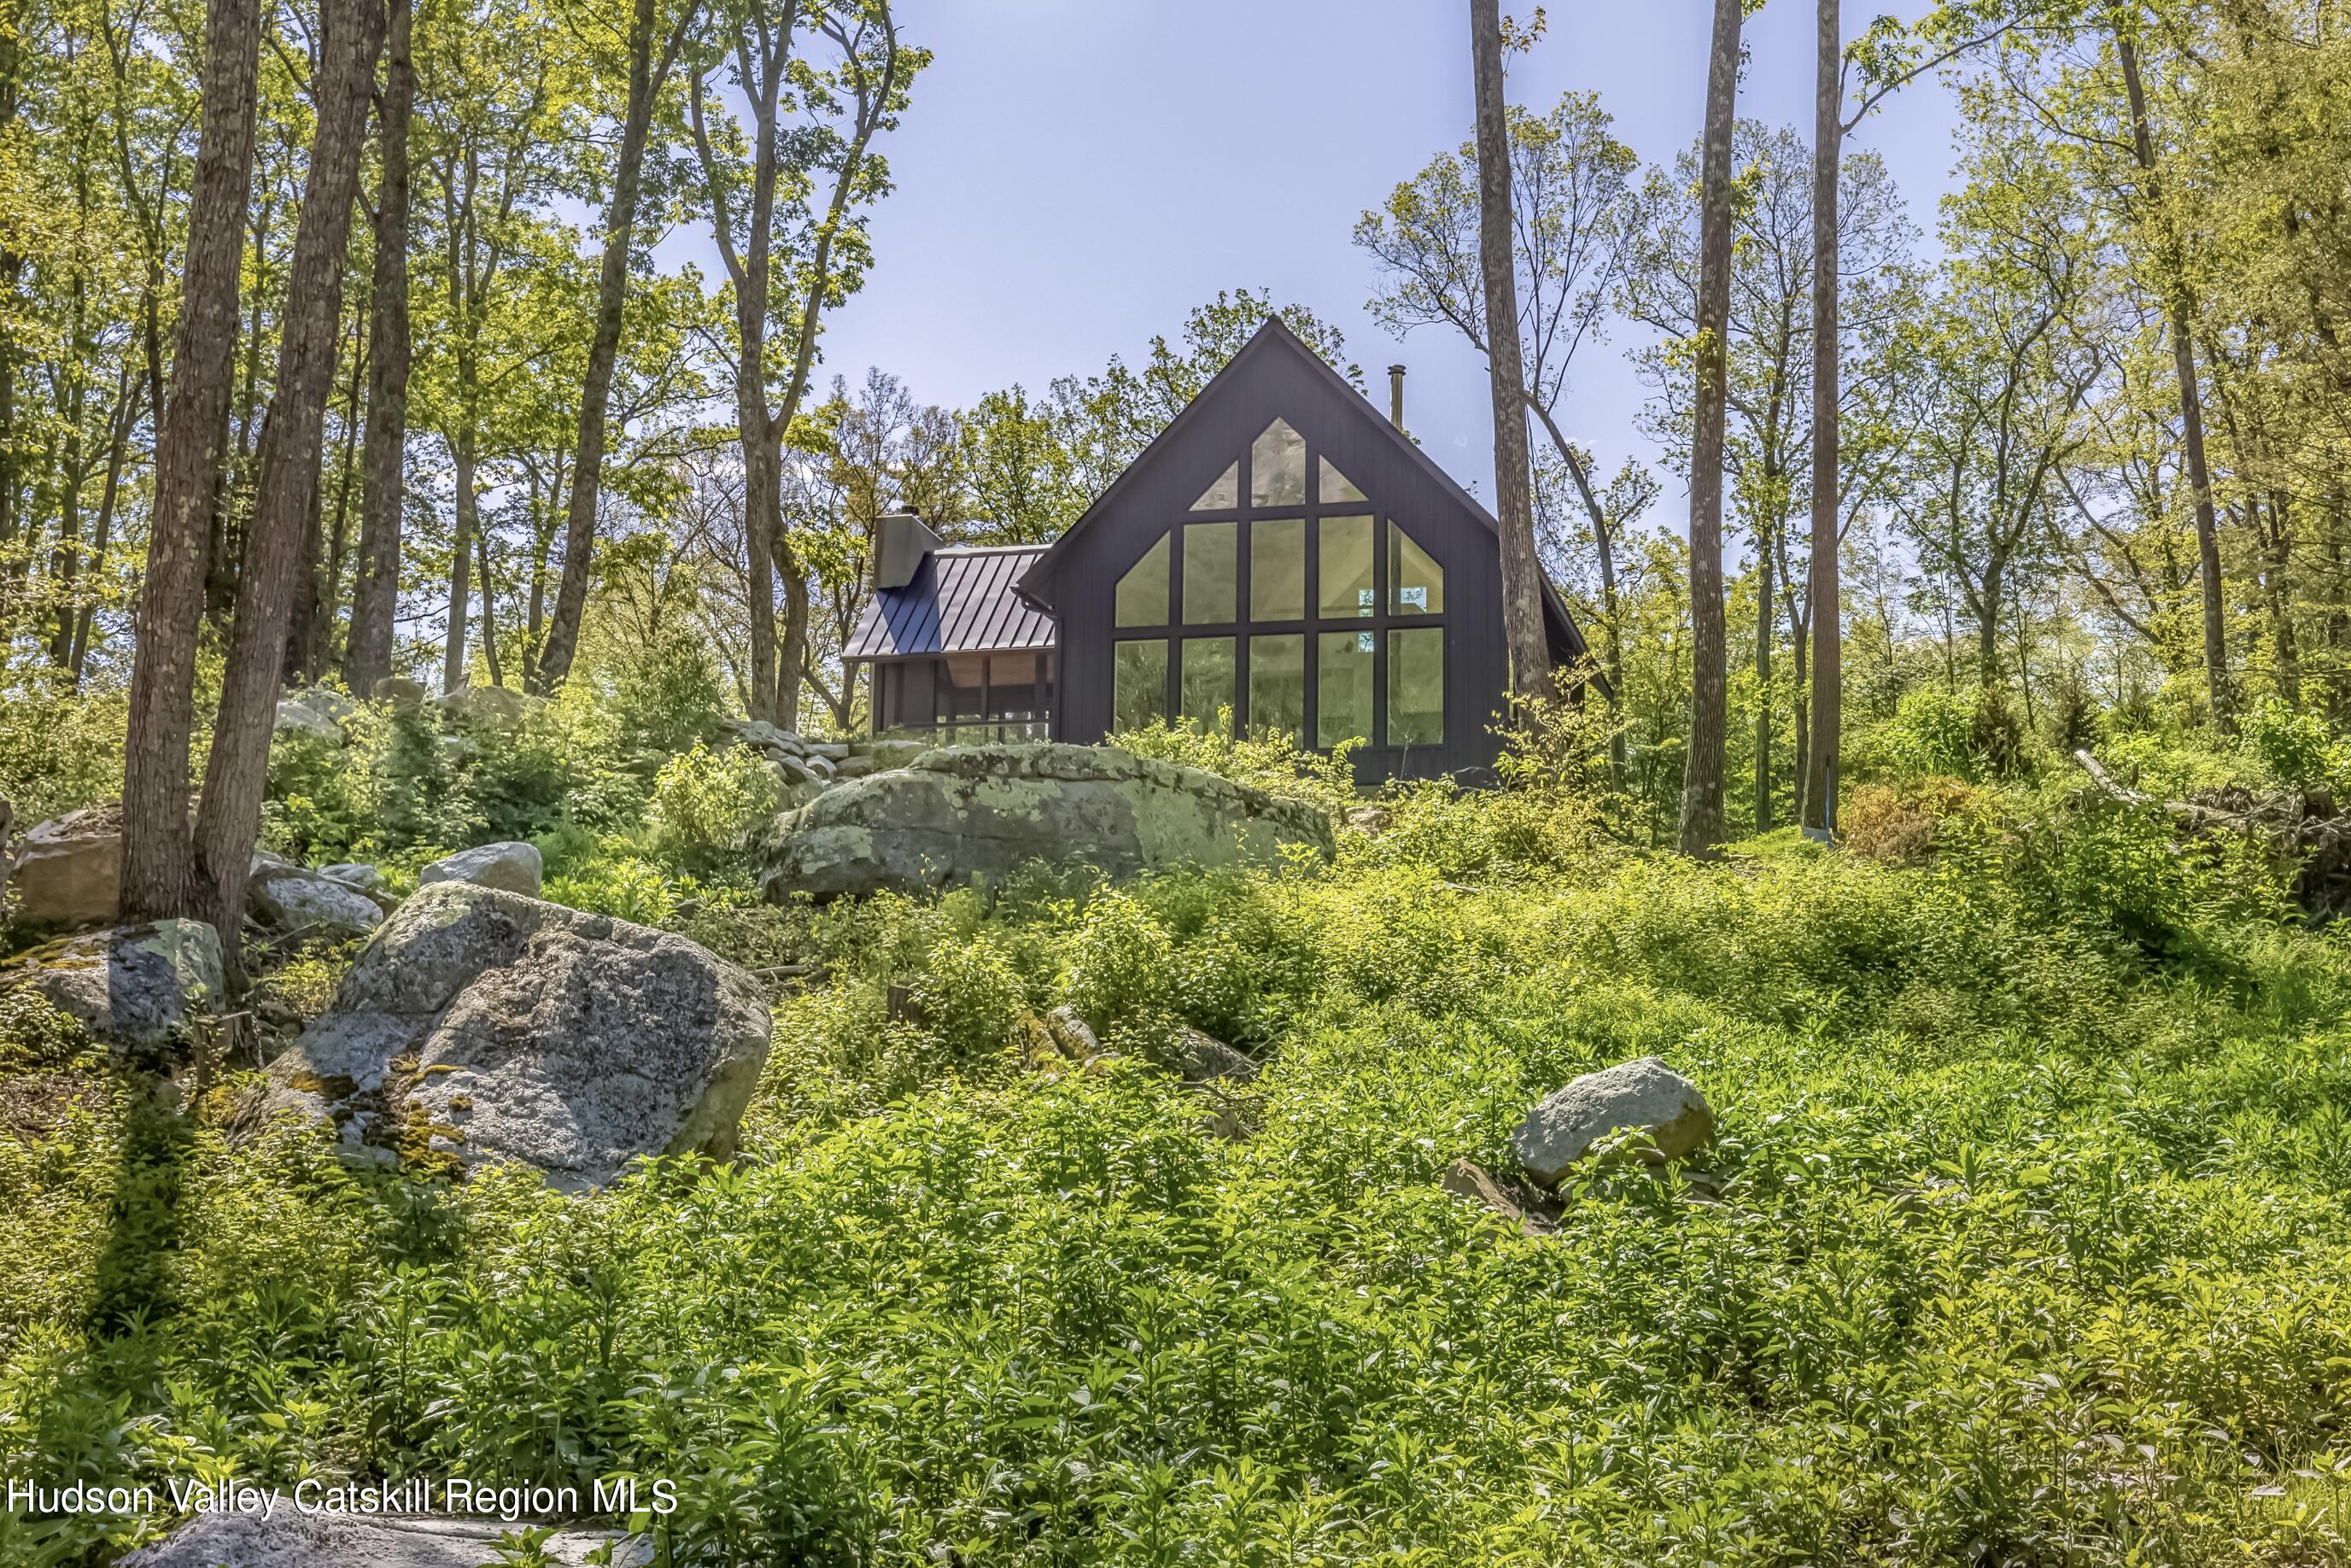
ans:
(1142, 592)
(1337, 486)
(1289, 598)
(1224, 495)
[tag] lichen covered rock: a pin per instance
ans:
(292, 1539)
(484, 1026)
(134, 986)
(510, 867)
(1646, 1094)
(294, 900)
(69, 869)
(961, 813)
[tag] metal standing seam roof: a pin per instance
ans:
(960, 601)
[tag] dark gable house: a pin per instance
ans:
(1281, 553)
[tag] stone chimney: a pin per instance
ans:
(901, 541)
(1395, 395)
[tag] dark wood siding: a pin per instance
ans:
(1342, 425)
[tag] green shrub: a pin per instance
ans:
(708, 807)
(618, 884)
(1119, 964)
(2293, 746)
(60, 749)
(666, 698)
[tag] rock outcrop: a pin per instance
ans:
(69, 869)
(499, 704)
(1643, 1094)
(957, 814)
(134, 986)
(484, 1026)
(309, 902)
(294, 1540)
(509, 867)
(8, 848)
(316, 712)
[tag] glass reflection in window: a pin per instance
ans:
(1276, 687)
(1416, 582)
(1142, 599)
(1140, 684)
(1224, 495)
(1207, 682)
(1278, 569)
(1416, 686)
(1278, 467)
(1342, 687)
(1210, 593)
(1346, 565)
(1337, 486)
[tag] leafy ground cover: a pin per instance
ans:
(2025, 1238)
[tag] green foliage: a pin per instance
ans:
(2014, 1231)
(411, 777)
(2294, 747)
(620, 885)
(1976, 735)
(1274, 764)
(60, 749)
(707, 807)
(667, 699)
(1120, 964)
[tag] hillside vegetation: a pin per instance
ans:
(2025, 1237)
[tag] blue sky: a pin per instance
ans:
(1075, 174)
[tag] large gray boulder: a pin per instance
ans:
(964, 813)
(317, 712)
(132, 986)
(499, 704)
(483, 1025)
(69, 869)
(885, 754)
(291, 1539)
(309, 902)
(510, 867)
(1645, 1094)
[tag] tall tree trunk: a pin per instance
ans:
(159, 867)
(1702, 826)
(1764, 687)
(453, 650)
(12, 272)
(552, 660)
(65, 559)
(2191, 408)
(338, 533)
(229, 818)
(1522, 617)
(792, 652)
(1827, 716)
(1603, 543)
(490, 607)
(375, 587)
(2286, 647)
(755, 428)
(762, 526)
(126, 416)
